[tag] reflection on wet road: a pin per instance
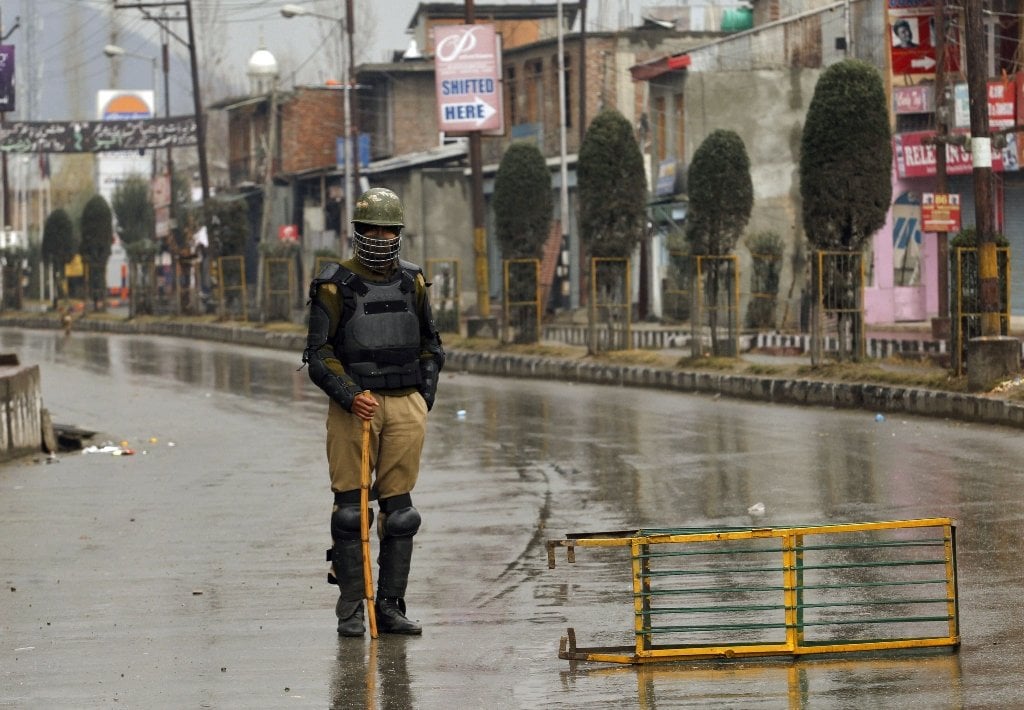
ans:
(238, 510)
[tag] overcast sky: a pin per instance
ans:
(60, 64)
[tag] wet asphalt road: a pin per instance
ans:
(190, 574)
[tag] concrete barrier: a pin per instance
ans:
(21, 404)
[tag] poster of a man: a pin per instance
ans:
(903, 35)
(912, 47)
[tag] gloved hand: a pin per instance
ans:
(428, 397)
(428, 388)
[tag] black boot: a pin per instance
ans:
(350, 617)
(347, 560)
(395, 559)
(391, 618)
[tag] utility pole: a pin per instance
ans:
(165, 52)
(483, 291)
(204, 175)
(582, 128)
(990, 357)
(981, 155)
(197, 99)
(940, 325)
(561, 271)
(350, 87)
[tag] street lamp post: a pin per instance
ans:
(197, 100)
(289, 11)
(113, 51)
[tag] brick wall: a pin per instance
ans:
(311, 121)
(414, 103)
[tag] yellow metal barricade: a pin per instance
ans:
(764, 290)
(522, 300)
(279, 287)
(743, 592)
(839, 282)
(231, 288)
(445, 279)
(610, 300)
(966, 289)
(677, 291)
(717, 304)
(186, 280)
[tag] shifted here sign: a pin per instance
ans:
(467, 71)
(940, 212)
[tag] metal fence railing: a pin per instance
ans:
(741, 592)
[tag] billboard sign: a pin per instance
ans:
(96, 136)
(467, 71)
(114, 105)
(940, 212)
(915, 157)
(912, 38)
(919, 98)
(1002, 104)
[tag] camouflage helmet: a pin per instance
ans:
(379, 206)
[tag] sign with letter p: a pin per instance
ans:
(467, 71)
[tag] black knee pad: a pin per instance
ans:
(345, 523)
(403, 522)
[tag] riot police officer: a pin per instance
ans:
(373, 348)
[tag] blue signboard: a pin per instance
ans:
(364, 151)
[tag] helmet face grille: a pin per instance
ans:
(375, 253)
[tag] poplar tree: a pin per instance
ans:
(721, 194)
(846, 158)
(846, 187)
(522, 202)
(612, 187)
(611, 193)
(58, 246)
(97, 239)
(721, 198)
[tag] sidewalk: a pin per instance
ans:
(787, 384)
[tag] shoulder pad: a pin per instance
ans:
(328, 271)
(410, 267)
(350, 280)
(332, 272)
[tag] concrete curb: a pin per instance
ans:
(846, 395)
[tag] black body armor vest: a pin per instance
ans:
(378, 339)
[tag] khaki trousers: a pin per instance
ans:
(396, 440)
